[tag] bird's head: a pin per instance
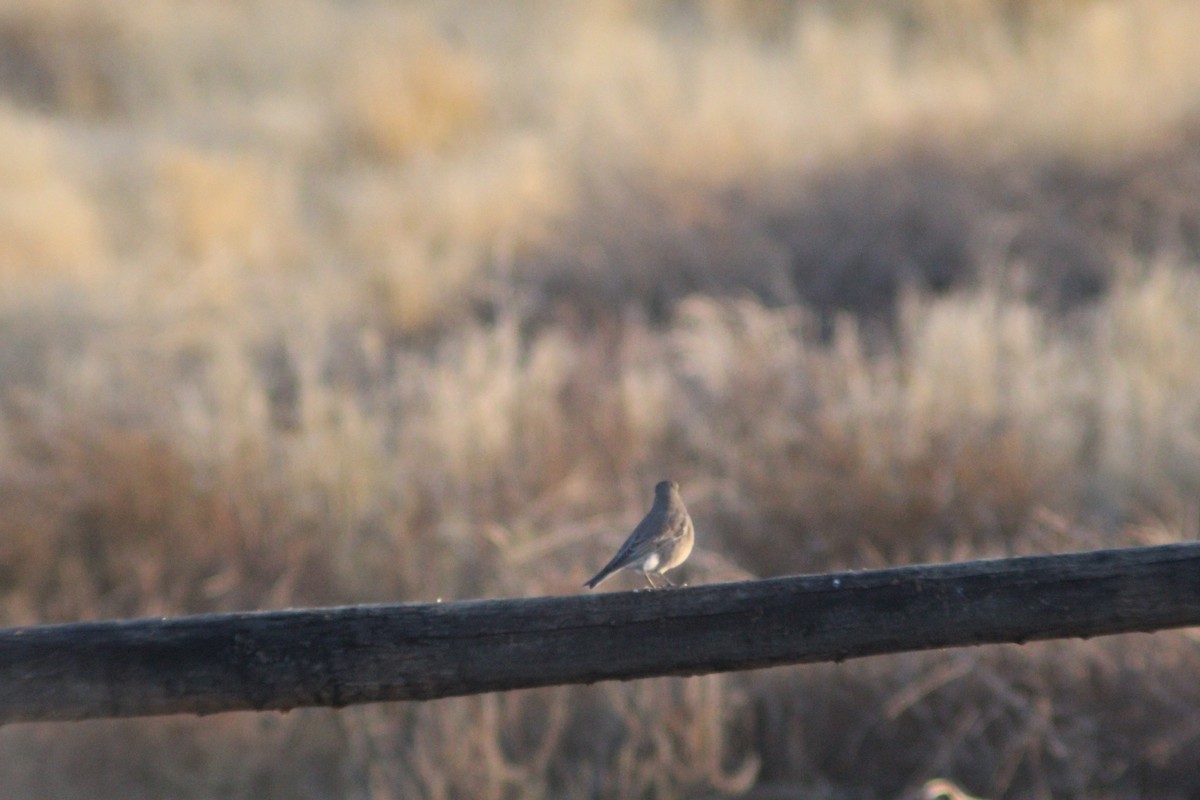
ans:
(665, 488)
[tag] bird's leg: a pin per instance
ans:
(646, 575)
(668, 580)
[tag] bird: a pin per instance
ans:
(661, 541)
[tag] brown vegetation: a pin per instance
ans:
(309, 302)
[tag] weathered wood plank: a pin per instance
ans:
(362, 654)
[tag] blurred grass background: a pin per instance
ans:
(314, 302)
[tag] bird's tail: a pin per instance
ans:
(603, 574)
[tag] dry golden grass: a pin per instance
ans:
(312, 302)
(50, 230)
(411, 94)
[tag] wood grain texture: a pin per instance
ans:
(414, 651)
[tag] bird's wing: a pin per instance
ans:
(677, 526)
(643, 541)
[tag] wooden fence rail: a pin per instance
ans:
(414, 651)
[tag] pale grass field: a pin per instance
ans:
(307, 303)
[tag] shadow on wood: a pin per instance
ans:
(415, 651)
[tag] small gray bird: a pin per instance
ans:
(661, 541)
